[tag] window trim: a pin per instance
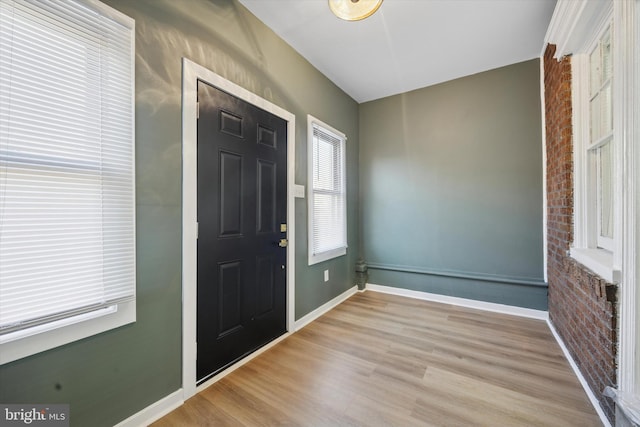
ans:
(30, 341)
(584, 249)
(314, 258)
(627, 14)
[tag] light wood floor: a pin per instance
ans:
(383, 360)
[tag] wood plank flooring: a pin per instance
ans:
(384, 360)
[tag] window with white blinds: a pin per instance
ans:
(67, 203)
(327, 195)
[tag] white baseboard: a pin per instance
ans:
(162, 407)
(167, 404)
(506, 309)
(155, 411)
(463, 302)
(310, 317)
(583, 381)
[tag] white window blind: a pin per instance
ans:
(327, 222)
(67, 216)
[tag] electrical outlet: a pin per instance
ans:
(326, 275)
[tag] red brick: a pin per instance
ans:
(581, 309)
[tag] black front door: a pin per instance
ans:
(242, 164)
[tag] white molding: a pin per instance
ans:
(155, 411)
(562, 25)
(543, 116)
(64, 331)
(622, 420)
(462, 302)
(628, 46)
(324, 308)
(572, 25)
(599, 261)
(167, 404)
(622, 82)
(592, 398)
(580, 127)
(191, 73)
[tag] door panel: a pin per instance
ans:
(229, 301)
(241, 204)
(230, 194)
(266, 197)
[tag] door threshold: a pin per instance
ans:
(240, 362)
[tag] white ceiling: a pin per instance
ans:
(409, 44)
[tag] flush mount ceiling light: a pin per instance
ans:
(354, 10)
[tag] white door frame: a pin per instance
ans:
(191, 73)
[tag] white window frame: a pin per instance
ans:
(606, 138)
(315, 258)
(574, 27)
(588, 247)
(32, 340)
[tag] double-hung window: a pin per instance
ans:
(597, 208)
(67, 203)
(327, 192)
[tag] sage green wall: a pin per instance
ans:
(108, 377)
(451, 188)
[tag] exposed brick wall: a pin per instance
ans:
(582, 307)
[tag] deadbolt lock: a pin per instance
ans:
(283, 228)
(283, 243)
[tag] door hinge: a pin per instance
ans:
(197, 110)
(197, 230)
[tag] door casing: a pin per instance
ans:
(191, 73)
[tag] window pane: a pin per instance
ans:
(606, 56)
(328, 226)
(594, 121)
(605, 196)
(606, 110)
(601, 114)
(325, 164)
(61, 256)
(594, 71)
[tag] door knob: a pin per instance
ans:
(283, 243)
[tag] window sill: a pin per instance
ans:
(599, 261)
(52, 335)
(326, 256)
